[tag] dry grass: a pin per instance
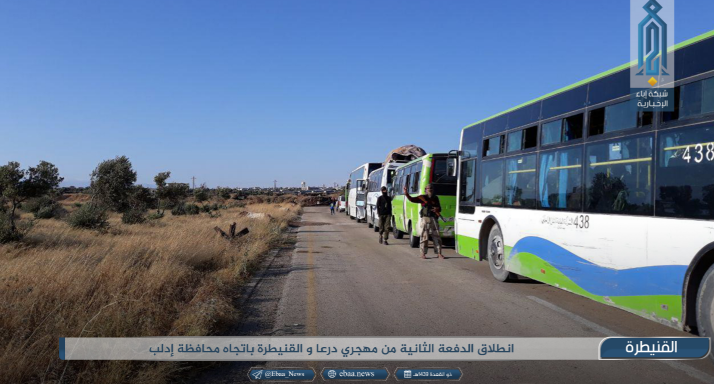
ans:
(170, 277)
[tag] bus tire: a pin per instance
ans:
(495, 249)
(705, 306)
(397, 233)
(376, 228)
(370, 223)
(413, 240)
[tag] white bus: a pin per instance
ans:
(579, 190)
(341, 204)
(382, 177)
(357, 195)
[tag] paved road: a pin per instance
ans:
(343, 283)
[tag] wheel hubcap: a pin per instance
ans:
(495, 252)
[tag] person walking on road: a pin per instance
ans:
(332, 207)
(430, 212)
(384, 210)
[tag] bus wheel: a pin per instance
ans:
(497, 254)
(397, 233)
(370, 223)
(413, 240)
(705, 306)
(376, 228)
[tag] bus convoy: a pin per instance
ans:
(580, 190)
(357, 191)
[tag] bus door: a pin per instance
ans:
(403, 213)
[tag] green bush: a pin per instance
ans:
(78, 205)
(155, 216)
(133, 216)
(35, 205)
(46, 212)
(179, 209)
(43, 207)
(206, 208)
(192, 209)
(7, 235)
(89, 216)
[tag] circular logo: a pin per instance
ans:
(331, 374)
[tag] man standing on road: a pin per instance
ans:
(384, 210)
(332, 207)
(430, 212)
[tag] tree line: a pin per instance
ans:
(113, 188)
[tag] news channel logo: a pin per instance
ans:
(651, 50)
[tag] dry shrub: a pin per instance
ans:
(177, 278)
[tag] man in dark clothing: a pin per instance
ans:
(384, 210)
(430, 212)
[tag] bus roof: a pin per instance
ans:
(596, 77)
(363, 166)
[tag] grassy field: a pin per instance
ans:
(173, 276)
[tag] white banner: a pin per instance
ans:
(329, 348)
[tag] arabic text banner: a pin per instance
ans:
(361, 348)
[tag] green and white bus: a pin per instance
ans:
(579, 190)
(437, 169)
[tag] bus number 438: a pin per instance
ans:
(582, 221)
(699, 153)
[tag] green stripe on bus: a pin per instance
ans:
(467, 246)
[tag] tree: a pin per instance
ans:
(224, 193)
(201, 194)
(17, 185)
(112, 183)
(169, 195)
(141, 198)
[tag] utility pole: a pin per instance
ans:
(193, 182)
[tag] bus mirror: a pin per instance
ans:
(452, 168)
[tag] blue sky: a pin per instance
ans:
(239, 93)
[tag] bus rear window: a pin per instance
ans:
(442, 177)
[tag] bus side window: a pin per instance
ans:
(560, 179)
(492, 183)
(684, 168)
(619, 176)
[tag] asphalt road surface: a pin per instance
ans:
(341, 282)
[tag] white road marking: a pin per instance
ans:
(693, 372)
